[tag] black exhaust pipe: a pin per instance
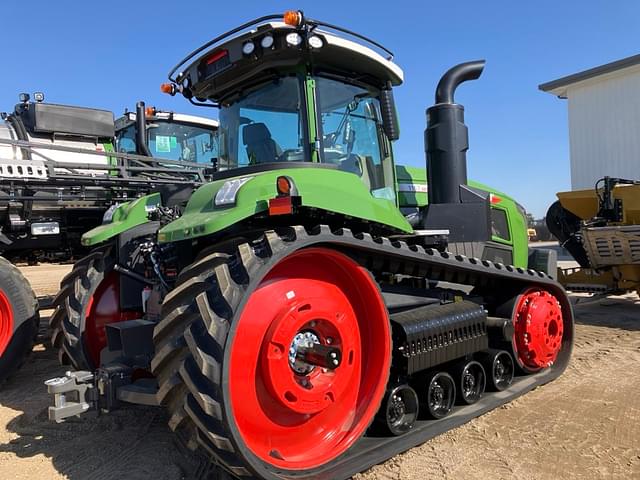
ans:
(447, 138)
(141, 130)
(453, 205)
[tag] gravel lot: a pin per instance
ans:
(586, 424)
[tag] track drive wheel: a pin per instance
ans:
(286, 361)
(89, 299)
(19, 319)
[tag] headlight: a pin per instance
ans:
(248, 48)
(267, 41)
(45, 228)
(294, 39)
(315, 42)
(227, 194)
(108, 215)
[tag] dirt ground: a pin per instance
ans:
(586, 424)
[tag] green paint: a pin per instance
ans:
(310, 94)
(330, 190)
(125, 217)
(112, 161)
(410, 177)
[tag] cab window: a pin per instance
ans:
(500, 224)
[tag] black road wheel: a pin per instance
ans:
(399, 410)
(472, 380)
(19, 319)
(439, 394)
(500, 367)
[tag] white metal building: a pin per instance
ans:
(604, 121)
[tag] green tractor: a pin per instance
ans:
(313, 310)
(59, 174)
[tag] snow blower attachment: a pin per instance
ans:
(302, 329)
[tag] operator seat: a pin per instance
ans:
(261, 148)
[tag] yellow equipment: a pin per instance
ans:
(601, 230)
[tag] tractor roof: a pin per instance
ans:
(130, 117)
(260, 50)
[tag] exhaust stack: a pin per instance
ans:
(453, 205)
(141, 130)
(446, 136)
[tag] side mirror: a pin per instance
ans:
(389, 114)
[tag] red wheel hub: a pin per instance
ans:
(102, 309)
(6, 322)
(290, 413)
(538, 328)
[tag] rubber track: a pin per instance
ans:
(86, 275)
(197, 320)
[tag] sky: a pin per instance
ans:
(111, 54)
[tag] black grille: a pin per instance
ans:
(432, 335)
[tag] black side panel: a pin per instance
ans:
(48, 118)
(498, 253)
(433, 335)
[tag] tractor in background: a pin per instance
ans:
(60, 174)
(312, 310)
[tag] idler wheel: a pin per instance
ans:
(471, 382)
(399, 410)
(539, 327)
(441, 394)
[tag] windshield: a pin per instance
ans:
(173, 141)
(176, 141)
(352, 134)
(265, 126)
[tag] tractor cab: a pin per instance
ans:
(293, 94)
(167, 135)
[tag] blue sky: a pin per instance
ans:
(115, 54)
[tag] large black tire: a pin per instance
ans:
(191, 343)
(67, 323)
(15, 288)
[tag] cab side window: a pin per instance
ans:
(126, 140)
(500, 224)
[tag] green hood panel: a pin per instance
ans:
(412, 192)
(125, 217)
(322, 188)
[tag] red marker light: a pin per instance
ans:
(280, 206)
(494, 199)
(216, 56)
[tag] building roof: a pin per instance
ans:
(558, 87)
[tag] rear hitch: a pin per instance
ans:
(79, 386)
(103, 391)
